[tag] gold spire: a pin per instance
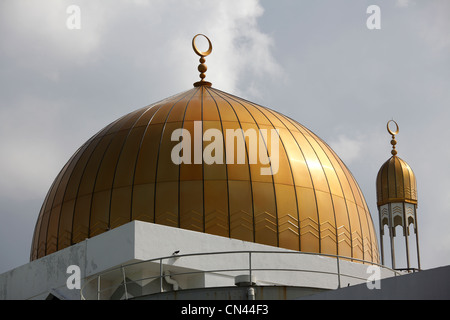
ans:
(393, 133)
(202, 66)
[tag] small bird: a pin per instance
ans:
(176, 252)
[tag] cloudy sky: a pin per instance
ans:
(315, 61)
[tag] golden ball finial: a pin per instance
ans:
(202, 66)
(393, 133)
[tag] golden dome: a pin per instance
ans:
(396, 181)
(145, 166)
(125, 172)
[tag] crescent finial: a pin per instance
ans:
(393, 133)
(202, 66)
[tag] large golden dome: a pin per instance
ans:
(125, 172)
(309, 201)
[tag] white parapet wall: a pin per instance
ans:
(38, 278)
(187, 259)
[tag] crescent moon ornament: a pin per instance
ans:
(202, 66)
(393, 133)
(197, 51)
(389, 129)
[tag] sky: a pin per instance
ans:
(317, 62)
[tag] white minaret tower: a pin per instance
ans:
(397, 201)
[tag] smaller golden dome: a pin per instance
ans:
(396, 181)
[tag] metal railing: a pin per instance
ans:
(250, 269)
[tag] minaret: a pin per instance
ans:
(397, 200)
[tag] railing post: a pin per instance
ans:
(250, 264)
(124, 283)
(160, 276)
(338, 272)
(98, 287)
